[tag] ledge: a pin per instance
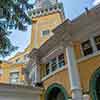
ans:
(53, 73)
(89, 56)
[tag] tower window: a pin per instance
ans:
(87, 48)
(45, 33)
(97, 42)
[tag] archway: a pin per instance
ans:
(95, 85)
(56, 92)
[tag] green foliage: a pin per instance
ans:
(16, 17)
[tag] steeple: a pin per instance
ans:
(45, 3)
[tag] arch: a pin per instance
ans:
(93, 84)
(55, 85)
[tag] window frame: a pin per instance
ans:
(84, 50)
(11, 77)
(46, 35)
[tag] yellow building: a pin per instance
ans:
(67, 65)
(46, 16)
(63, 56)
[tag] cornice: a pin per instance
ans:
(9, 88)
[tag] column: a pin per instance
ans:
(93, 44)
(37, 73)
(73, 74)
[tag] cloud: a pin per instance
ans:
(96, 2)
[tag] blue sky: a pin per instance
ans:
(72, 8)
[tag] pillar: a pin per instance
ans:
(73, 74)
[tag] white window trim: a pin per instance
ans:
(53, 73)
(89, 56)
(93, 45)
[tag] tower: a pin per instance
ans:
(46, 15)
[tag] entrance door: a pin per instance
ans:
(95, 85)
(98, 87)
(56, 92)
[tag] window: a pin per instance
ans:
(97, 41)
(14, 77)
(54, 64)
(45, 33)
(47, 68)
(61, 61)
(87, 48)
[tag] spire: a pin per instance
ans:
(45, 3)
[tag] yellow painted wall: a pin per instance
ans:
(60, 78)
(8, 68)
(86, 70)
(43, 23)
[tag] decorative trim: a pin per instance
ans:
(58, 86)
(89, 56)
(42, 12)
(93, 84)
(53, 73)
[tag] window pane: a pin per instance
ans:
(54, 64)
(97, 41)
(61, 60)
(45, 33)
(47, 69)
(14, 76)
(87, 48)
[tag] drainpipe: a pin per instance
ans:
(73, 74)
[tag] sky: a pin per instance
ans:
(72, 9)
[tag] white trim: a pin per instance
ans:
(53, 73)
(88, 57)
(52, 54)
(14, 71)
(93, 44)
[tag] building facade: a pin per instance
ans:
(46, 16)
(68, 63)
(63, 56)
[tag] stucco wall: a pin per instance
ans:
(59, 78)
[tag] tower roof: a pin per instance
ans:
(45, 3)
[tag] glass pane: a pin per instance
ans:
(47, 69)
(14, 76)
(45, 33)
(87, 48)
(61, 60)
(54, 64)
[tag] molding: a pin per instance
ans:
(52, 53)
(93, 84)
(45, 11)
(88, 56)
(59, 86)
(53, 73)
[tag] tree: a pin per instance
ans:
(14, 15)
